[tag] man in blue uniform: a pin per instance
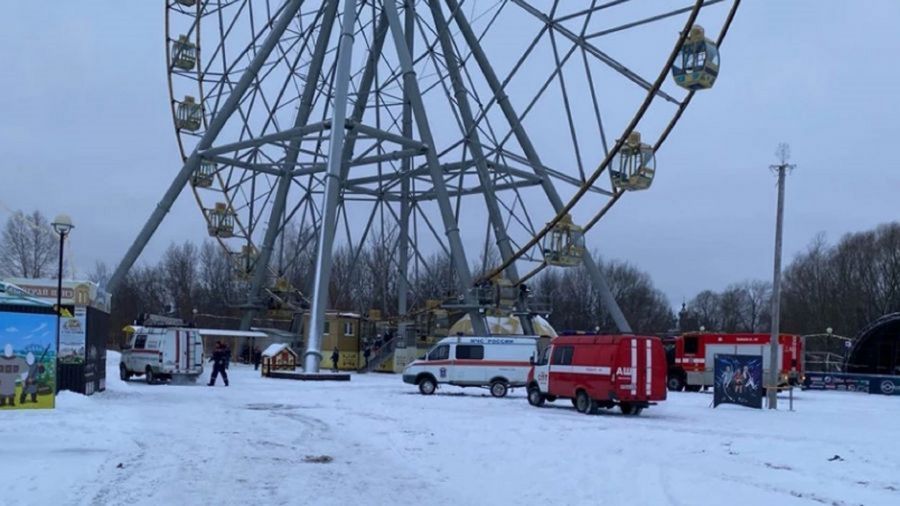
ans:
(219, 359)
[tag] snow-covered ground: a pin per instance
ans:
(252, 443)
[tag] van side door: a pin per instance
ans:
(542, 370)
(196, 348)
(136, 359)
(154, 344)
(562, 375)
(438, 362)
(467, 367)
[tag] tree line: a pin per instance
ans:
(842, 286)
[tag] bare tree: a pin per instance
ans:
(844, 286)
(577, 304)
(179, 272)
(28, 247)
(216, 279)
(706, 305)
(100, 273)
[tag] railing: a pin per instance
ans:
(377, 358)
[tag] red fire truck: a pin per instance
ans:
(600, 372)
(691, 357)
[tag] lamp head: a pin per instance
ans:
(62, 224)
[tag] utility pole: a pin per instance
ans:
(783, 152)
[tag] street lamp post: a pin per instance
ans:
(62, 224)
(781, 169)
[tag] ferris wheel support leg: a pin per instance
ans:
(193, 161)
(409, 13)
(475, 147)
(451, 228)
(322, 277)
(609, 302)
(261, 266)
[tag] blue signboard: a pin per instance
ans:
(836, 381)
(868, 383)
(885, 385)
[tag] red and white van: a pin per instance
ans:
(600, 371)
(497, 362)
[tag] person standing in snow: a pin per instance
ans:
(335, 358)
(257, 358)
(366, 354)
(227, 352)
(219, 361)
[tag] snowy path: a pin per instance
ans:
(248, 444)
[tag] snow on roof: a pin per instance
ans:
(273, 332)
(275, 349)
(231, 333)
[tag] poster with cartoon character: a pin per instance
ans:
(72, 337)
(27, 360)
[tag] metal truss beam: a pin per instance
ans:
(322, 276)
(193, 162)
(473, 141)
(276, 218)
(451, 228)
(532, 156)
(593, 50)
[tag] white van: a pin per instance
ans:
(160, 353)
(498, 362)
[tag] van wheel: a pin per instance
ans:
(498, 388)
(535, 397)
(584, 404)
(427, 386)
(124, 375)
(675, 383)
(149, 376)
(629, 409)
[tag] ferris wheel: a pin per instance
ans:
(492, 131)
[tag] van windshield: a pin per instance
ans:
(545, 356)
(442, 352)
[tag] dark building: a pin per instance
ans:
(877, 348)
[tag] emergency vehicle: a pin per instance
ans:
(160, 353)
(600, 371)
(498, 362)
(691, 357)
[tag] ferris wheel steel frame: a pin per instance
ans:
(341, 133)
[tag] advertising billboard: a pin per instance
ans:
(72, 334)
(738, 380)
(27, 360)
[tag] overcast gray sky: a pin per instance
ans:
(85, 129)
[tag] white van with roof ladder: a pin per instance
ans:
(160, 353)
(498, 362)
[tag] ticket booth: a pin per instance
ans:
(84, 327)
